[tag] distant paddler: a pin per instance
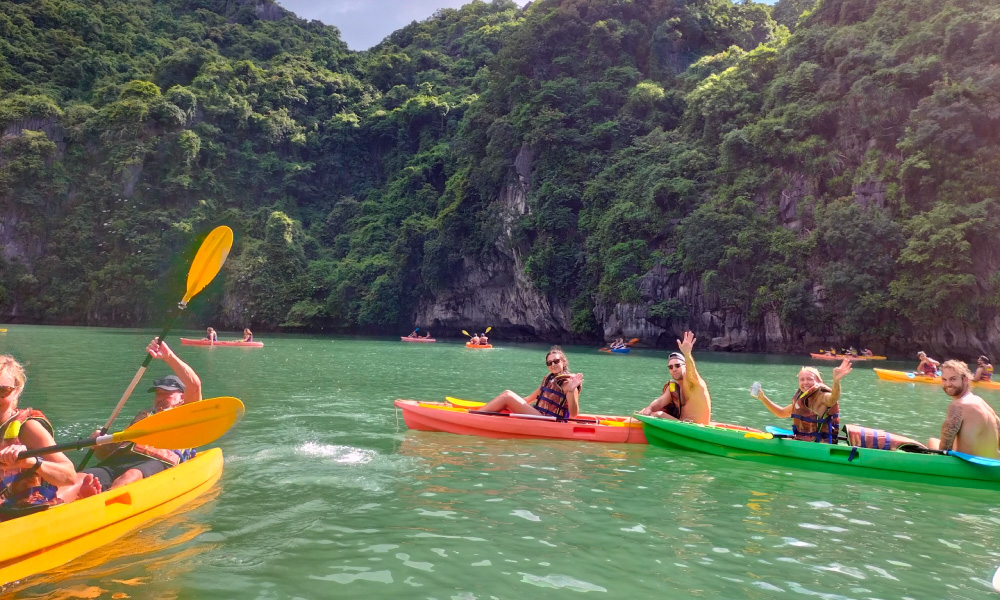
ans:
(927, 365)
(984, 369)
(685, 397)
(971, 425)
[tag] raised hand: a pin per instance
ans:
(158, 349)
(844, 368)
(687, 344)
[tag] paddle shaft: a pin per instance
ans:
(539, 417)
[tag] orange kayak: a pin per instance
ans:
(469, 345)
(904, 377)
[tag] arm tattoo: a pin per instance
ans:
(949, 429)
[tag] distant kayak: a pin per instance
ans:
(417, 339)
(470, 345)
(843, 356)
(53, 537)
(831, 458)
(439, 416)
(904, 377)
(616, 350)
(191, 342)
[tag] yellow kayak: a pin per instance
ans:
(904, 377)
(56, 536)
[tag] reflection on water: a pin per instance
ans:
(325, 495)
(135, 565)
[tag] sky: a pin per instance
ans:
(364, 23)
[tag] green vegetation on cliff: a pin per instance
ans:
(836, 170)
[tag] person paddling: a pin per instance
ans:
(685, 397)
(247, 335)
(29, 484)
(815, 407)
(971, 425)
(984, 370)
(927, 366)
(125, 463)
(211, 335)
(474, 340)
(483, 340)
(558, 396)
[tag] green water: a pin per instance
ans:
(326, 493)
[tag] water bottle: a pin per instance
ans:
(755, 389)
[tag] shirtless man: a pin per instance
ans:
(984, 370)
(685, 397)
(971, 425)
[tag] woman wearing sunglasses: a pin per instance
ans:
(558, 396)
(28, 484)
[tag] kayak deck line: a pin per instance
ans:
(63, 533)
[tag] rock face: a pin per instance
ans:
(496, 292)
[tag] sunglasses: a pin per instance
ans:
(677, 366)
(553, 362)
(6, 390)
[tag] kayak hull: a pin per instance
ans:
(417, 340)
(56, 536)
(904, 377)
(843, 356)
(478, 346)
(620, 350)
(191, 342)
(894, 465)
(437, 416)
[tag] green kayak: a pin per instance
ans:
(841, 458)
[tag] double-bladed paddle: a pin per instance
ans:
(207, 264)
(186, 426)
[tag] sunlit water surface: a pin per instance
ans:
(326, 493)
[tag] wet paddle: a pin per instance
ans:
(186, 426)
(207, 263)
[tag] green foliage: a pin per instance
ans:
(832, 164)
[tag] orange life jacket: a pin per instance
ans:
(673, 408)
(808, 425)
(987, 373)
(551, 399)
(25, 492)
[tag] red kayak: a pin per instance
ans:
(191, 342)
(446, 417)
(417, 339)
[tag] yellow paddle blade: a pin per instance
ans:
(464, 403)
(13, 430)
(209, 260)
(757, 435)
(488, 329)
(466, 333)
(187, 426)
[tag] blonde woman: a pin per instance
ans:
(815, 407)
(29, 484)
